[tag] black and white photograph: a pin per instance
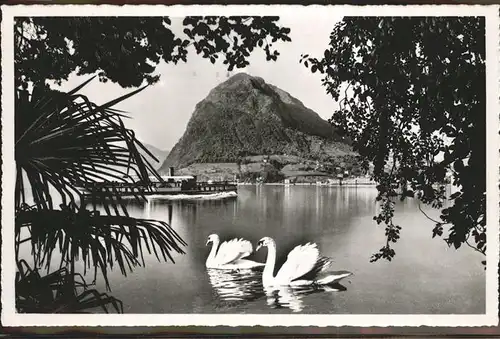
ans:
(250, 165)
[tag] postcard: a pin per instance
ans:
(250, 165)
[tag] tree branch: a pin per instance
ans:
(434, 221)
(473, 247)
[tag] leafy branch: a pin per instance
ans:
(431, 122)
(127, 50)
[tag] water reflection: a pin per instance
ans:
(339, 219)
(293, 297)
(236, 285)
(243, 286)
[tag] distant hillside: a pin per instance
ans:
(245, 116)
(161, 155)
(276, 168)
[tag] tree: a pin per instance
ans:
(126, 50)
(412, 97)
(64, 140)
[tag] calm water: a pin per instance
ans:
(425, 277)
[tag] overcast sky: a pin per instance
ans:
(160, 113)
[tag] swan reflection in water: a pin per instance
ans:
(242, 286)
(236, 285)
(292, 297)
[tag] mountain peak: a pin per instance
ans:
(240, 76)
(238, 80)
(244, 115)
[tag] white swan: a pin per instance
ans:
(229, 255)
(304, 266)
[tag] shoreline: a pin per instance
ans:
(335, 184)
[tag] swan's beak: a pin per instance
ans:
(259, 245)
(208, 242)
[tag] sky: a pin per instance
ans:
(160, 113)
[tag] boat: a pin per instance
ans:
(167, 185)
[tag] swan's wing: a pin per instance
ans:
(326, 278)
(300, 261)
(232, 250)
(320, 266)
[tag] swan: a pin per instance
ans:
(304, 266)
(229, 255)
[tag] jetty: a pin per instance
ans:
(168, 185)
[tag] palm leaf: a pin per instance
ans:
(64, 141)
(58, 292)
(104, 239)
(65, 135)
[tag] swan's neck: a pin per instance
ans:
(213, 251)
(268, 273)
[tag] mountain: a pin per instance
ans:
(246, 116)
(161, 155)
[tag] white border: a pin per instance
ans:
(10, 318)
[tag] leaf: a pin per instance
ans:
(105, 236)
(387, 75)
(43, 54)
(77, 143)
(76, 89)
(57, 292)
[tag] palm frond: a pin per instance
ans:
(100, 240)
(66, 136)
(63, 141)
(58, 292)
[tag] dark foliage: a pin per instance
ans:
(64, 141)
(127, 50)
(412, 99)
(100, 241)
(268, 174)
(58, 292)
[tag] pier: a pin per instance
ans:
(169, 185)
(132, 189)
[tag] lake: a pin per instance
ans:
(426, 276)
